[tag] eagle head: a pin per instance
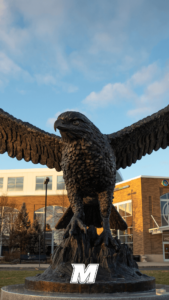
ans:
(73, 125)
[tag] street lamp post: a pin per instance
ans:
(1, 230)
(46, 183)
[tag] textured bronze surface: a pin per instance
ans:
(101, 287)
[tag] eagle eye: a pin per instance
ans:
(76, 122)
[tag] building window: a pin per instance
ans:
(125, 210)
(1, 183)
(53, 215)
(164, 200)
(60, 183)
(7, 219)
(118, 177)
(15, 184)
(40, 183)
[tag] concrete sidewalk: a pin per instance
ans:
(23, 266)
(153, 264)
(44, 266)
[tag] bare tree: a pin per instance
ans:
(8, 213)
(18, 237)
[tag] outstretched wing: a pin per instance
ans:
(135, 141)
(25, 141)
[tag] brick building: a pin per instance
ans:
(142, 201)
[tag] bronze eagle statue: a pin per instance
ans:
(89, 160)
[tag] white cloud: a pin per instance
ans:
(48, 79)
(45, 79)
(9, 69)
(154, 97)
(111, 93)
(50, 122)
(145, 75)
(150, 98)
(7, 66)
(72, 89)
(66, 35)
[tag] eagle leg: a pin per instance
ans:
(72, 226)
(105, 203)
(76, 202)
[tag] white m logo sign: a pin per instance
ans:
(82, 275)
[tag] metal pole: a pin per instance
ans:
(39, 250)
(1, 233)
(52, 242)
(46, 183)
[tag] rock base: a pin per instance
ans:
(118, 272)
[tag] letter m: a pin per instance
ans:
(82, 275)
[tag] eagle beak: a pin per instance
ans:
(58, 125)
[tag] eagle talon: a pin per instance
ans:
(107, 239)
(73, 225)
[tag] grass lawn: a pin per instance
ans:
(162, 277)
(18, 276)
(15, 276)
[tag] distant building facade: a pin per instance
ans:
(142, 201)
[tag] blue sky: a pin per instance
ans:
(107, 59)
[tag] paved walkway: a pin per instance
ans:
(44, 266)
(23, 266)
(153, 264)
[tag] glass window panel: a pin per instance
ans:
(122, 210)
(11, 186)
(52, 217)
(60, 179)
(40, 180)
(40, 183)
(163, 197)
(59, 210)
(50, 185)
(15, 184)
(166, 248)
(125, 210)
(165, 212)
(61, 186)
(167, 196)
(122, 232)
(39, 187)
(11, 180)
(60, 183)
(19, 180)
(128, 209)
(165, 237)
(166, 255)
(1, 183)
